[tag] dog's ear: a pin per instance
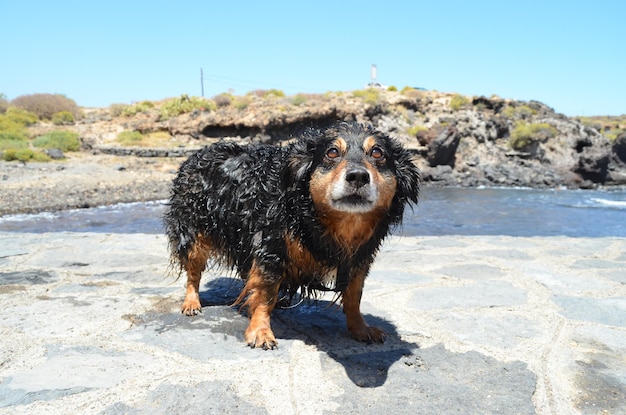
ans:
(407, 174)
(300, 159)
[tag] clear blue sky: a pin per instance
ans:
(570, 55)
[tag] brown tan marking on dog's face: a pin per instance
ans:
(353, 177)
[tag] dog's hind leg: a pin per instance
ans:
(357, 326)
(260, 298)
(197, 258)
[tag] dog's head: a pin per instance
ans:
(354, 169)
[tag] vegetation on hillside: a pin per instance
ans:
(4, 103)
(184, 104)
(60, 139)
(18, 141)
(610, 126)
(369, 96)
(459, 101)
(130, 138)
(525, 134)
(13, 128)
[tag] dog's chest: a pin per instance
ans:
(304, 268)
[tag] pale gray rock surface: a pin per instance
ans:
(90, 324)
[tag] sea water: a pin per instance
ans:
(441, 211)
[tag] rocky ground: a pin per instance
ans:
(83, 181)
(91, 324)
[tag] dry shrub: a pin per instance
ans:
(223, 100)
(46, 105)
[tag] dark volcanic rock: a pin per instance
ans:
(619, 148)
(593, 164)
(495, 105)
(442, 175)
(442, 144)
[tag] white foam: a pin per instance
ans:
(621, 204)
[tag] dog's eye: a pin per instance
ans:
(377, 153)
(332, 153)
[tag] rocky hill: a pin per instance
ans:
(456, 140)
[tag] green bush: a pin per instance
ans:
(299, 99)
(521, 111)
(412, 131)
(40, 157)
(4, 104)
(129, 138)
(613, 133)
(184, 104)
(459, 101)
(241, 103)
(412, 92)
(509, 111)
(392, 88)
(525, 134)
(24, 154)
(62, 117)
(46, 105)
(20, 116)
(11, 141)
(12, 154)
(117, 110)
(274, 93)
(140, 107)
(370, 95)
(62, 140)
(13, 132)
(267, 93)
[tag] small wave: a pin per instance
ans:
(118, 207)
(616, 204)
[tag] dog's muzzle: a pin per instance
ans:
(354, 192)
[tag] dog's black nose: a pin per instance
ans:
(358, 177)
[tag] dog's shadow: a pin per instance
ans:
(322, 323)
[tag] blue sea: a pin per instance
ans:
(441, 211)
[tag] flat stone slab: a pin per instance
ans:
(90, 324)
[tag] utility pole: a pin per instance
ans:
(202, 82)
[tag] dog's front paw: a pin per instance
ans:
(191, 306)
(261, 338)
(369, 334)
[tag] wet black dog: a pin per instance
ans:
(309, 216)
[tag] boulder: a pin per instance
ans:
(55, 154)
(593, 164)
(494, 104)
(619, 148)
(442, 175)
(442, 142)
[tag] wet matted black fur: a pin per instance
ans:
(308, 216)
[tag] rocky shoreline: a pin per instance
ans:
(483, 142)
(83, 182)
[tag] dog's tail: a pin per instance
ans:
(180, 239)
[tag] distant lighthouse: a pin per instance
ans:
(373, 82)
